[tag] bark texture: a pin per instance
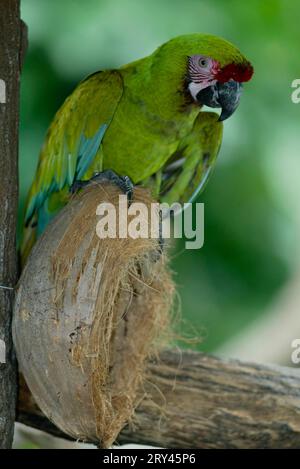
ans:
(10, 59)
(198, 401)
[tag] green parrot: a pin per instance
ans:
(140, 124)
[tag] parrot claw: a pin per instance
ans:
(122, 182)
(77, 185)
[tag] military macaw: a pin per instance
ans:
(141, 123)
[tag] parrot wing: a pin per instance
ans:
(74, 137)
(72, 150)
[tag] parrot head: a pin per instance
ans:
(213, 69)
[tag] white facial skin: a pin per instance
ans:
(202, 72)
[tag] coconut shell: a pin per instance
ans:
(88, 313)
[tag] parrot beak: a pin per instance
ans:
(224, 95)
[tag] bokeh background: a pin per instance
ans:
(237, 288)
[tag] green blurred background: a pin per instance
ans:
(251, 212)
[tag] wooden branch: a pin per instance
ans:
(197, 401)
(10, 46)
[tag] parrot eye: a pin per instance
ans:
(203, 62)
(202, 70)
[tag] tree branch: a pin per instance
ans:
(10, 39)
(194, 400)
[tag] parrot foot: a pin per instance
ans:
(122, 182)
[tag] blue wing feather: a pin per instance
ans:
(87, 150)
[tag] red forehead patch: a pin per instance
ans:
(237, 72)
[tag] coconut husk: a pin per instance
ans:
(88, 314)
